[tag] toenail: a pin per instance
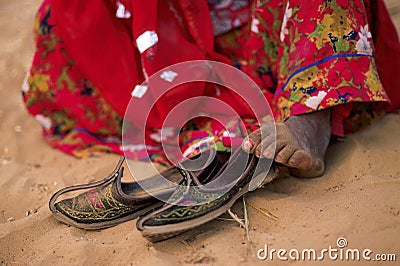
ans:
(293, 162)
(267, 154)
(248, 145)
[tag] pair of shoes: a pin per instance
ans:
(110, 201)
(201, 197)
(197, 204)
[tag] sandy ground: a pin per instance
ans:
(358, 198)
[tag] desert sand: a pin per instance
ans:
(357, 199)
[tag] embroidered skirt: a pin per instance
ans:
(327, 54)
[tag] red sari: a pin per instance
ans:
(91, 55)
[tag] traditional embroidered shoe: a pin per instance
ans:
(197, 204)
(111, 202)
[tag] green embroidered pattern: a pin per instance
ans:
(188, 208)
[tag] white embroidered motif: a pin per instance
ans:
(44, 121)
(121, 11)
(286, 17)
(363, 45)
(163, 134)
(25, 85)
(254, 25)
(314, 101)
(136, 147)
(139, 91)
(146, 40)
(168, 75)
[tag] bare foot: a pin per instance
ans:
(301, 143)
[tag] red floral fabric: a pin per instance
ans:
(91, 56)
